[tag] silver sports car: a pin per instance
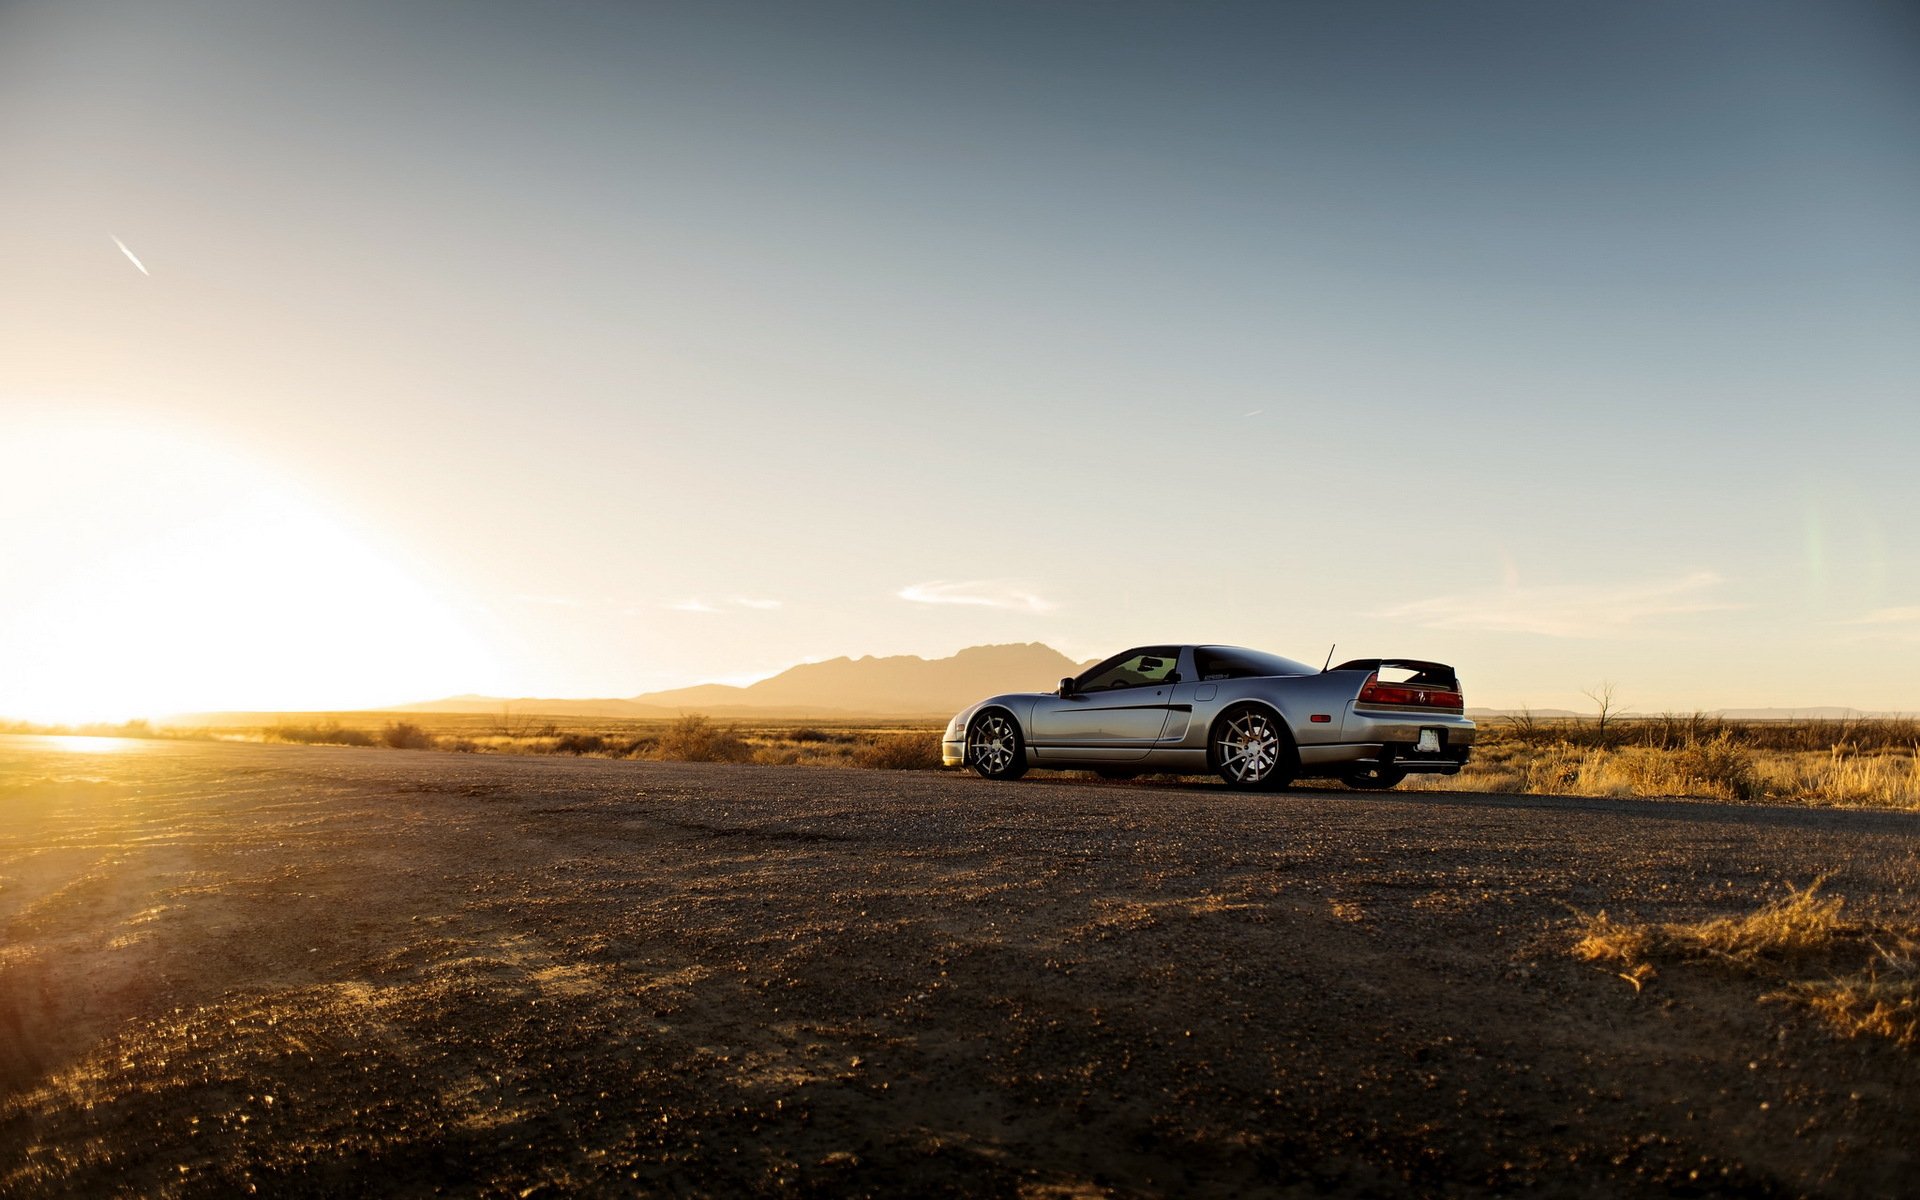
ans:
(1259, 720)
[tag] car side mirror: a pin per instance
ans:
(1066, 687)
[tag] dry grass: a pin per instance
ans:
(1880, 1000)
(1674, 731)
(899, 752)
(1780, 942)
(1727, 764)
(1800, 924)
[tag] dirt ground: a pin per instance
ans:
(320, 971)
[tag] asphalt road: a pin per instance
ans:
(339, 971)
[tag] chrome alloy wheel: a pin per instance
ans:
(1247, 749)
(993, 747)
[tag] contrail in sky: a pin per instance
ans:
(131, 256)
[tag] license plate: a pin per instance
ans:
(1429, 742)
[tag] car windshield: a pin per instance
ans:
(1231, 662)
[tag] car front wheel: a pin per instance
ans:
(994, 747)
(1251, 750)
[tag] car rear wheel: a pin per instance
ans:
(1374, 779)
(1250, 749)
(995, 748)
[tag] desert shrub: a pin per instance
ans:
(1600, 938)
(1881, 999)
(1801, 923)
(697, 739)
(326, 734)
(1555, 769)
(579, 743)
(900, 752)
(1719, 769)
(405, 735)
(1720, 764)
(808, 734)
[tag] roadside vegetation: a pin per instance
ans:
(1855, 763)
(899, 746)
(1866, 763)
(1802, 948)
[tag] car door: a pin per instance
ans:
(1115, 712)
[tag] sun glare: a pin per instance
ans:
(150, 575)
(87, 745)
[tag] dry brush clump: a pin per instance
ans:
(696, 738)
(326, 733)
(1882, 999)
(808, 735)
(1787, 942)
(1801, 924)
(405, 735)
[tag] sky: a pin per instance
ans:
(357, 353)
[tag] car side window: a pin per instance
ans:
(1214, 665)
(1135, 670)
(1230, 662)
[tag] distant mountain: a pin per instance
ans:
(899, 686)
(1811, 713)
(1828, 712)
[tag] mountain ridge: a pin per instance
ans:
(899, 685)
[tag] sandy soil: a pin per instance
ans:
(338, 971)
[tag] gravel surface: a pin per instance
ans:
(321, 971)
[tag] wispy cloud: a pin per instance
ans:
(697, 604)
(1908, 615)
(1900, 624)
(131, 257)
(981, 593)
(1566, 610)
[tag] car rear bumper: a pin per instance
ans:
(1393, 739)
(1402, 756)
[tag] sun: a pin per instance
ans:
(148, 573)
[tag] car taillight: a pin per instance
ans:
(1409, 694)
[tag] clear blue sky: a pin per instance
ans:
(659, 343)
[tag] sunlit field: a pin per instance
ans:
(233, 967)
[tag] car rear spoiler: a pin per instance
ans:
(1426, 674)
